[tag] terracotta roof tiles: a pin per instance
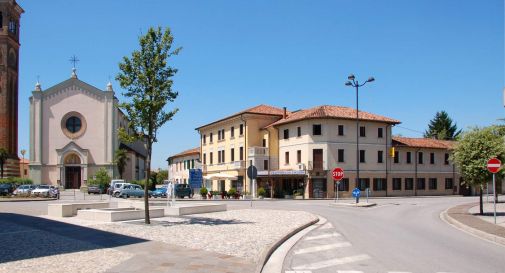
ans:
(187, 152)
(423, 143)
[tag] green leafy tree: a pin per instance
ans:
(472, 152)
(101, 178)
(4, 155)
(162, 176)
(121, 159)
(148, 80)
(442, 127)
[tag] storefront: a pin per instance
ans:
(282, 184)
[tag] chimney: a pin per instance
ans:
(284, 114)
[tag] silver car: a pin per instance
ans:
(24, 190)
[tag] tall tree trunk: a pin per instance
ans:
(480, 201)
(147, 167)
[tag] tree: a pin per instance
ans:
(101, 179)
(120, 158)
(3, 159)
(472, 152)
(148, 80)
(441, 127)
(162, 176)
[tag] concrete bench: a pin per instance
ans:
(70, 209)
(118, 214)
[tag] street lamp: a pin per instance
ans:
(354, 83)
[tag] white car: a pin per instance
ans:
(24, 190)
(43, 190)
(118, 187)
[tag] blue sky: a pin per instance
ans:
(426, 56)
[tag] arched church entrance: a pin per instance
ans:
(72, 171)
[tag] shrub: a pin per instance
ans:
(102, 179)
(232, 192)
(298, 192)
(203, 191)
(16, 180)
(262, 192)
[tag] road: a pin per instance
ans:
(398, 235)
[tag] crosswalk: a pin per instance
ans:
(325, 250)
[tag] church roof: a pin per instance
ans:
(74, 81)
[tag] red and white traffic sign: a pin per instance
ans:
(493, 165)
(337, 174)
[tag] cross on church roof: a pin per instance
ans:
(74, 60)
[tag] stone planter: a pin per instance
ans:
(298, 196)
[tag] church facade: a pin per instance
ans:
(74, 132)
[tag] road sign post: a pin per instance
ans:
(356, 193)
(252, 173)
(494, 165)
(337, 175)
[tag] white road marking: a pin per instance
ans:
(332, 262)
(326, 226)
(323, 236)
(321, 248)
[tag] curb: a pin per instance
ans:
(265, 254)
(444, 216)
(28, 200)
(353, 205)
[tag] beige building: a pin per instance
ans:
(229, 145)
(295, 153)
(180, 164)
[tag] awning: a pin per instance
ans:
(220, 176)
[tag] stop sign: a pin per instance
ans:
(337, 174)
(493, 165)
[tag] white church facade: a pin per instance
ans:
(74, 132)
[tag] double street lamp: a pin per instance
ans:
(352, 81)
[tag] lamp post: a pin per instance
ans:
(352, 81)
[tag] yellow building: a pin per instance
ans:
(228, 146)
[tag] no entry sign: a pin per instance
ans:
(337, 174)
(493, 165)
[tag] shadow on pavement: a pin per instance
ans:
(26, 237)
(192, 221)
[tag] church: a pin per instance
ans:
(74, 132)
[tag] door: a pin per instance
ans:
(319, 188)
(72, 177)
(317, 156)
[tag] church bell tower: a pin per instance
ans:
(10, 13)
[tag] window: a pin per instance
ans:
(299, 156)
(340, 156)
(286, 158)
(380, 156)
(12, 26)
(343, 185)
(362, 156)
(264, 142)
(379, 132)
(218, 157)
(204, 139)
(316, 129)
(421, 183)
(363, 184)
(73, 124)
(299, 131)
(265, 165)
(204, 159)
(192, 163)
(232, 132)
(210, 138)
(449, 184)
(409, 183)
(222, 157)
(432, 158)
(397, 184)
(341, 130)
(286, 133)
(211, 158)
(241, 153)
(397, 157)
(409, 157)
(232, 154)
(362, 131)
(379, 184)
(420, 158)
(220, 134)
(432, 183)
(241, 131)
(446, 159)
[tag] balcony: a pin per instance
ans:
(235, 165)
(257, 151)
(316, 165)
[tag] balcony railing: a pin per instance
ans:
(316, 165)
(258, 151)
(235, 165)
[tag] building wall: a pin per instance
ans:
(178, 171)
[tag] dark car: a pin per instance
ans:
(95, 189)
(183, 190)
(6, 189)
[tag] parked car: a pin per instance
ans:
(117, 187)
(95, 189)
(132, 190)
(115, 184)
(6, 188)
(159, 192)
(44, 190)
(24, 190)
(183, 190)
